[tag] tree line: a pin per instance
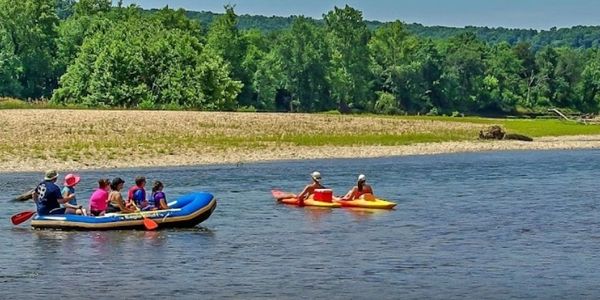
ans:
(94, 54)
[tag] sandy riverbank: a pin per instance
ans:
(35, 140)
(292, 153)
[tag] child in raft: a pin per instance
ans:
(99, 199)
(68, 192)
(158, 200)
(136, 196)
(115, 199)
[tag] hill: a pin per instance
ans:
(574, 37)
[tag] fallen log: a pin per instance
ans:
(25, 196)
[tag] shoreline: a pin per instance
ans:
(235, 156)
(34, 140)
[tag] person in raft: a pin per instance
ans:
(115, 199)
(47, 196)
(158, 200)
(137, 194)
(310, 189)
(68, 191)
(360, 189)
(99, 199)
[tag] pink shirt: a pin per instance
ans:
(98, 200)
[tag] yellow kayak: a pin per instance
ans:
(367, 201)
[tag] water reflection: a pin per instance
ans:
(317, 214)
(365, 214)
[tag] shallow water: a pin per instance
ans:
(487, 225)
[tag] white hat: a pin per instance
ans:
(362, 177)
(316, 176)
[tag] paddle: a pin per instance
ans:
(148, 223)
(21, 217)
(280, 195)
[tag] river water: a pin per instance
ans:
(487, 225)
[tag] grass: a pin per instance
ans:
(103, 137)
(530, 127)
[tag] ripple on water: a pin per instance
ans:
(487, 225)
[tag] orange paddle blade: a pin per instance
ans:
(150, 224)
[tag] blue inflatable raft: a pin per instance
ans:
(188, 211)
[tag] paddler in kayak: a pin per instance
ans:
(360, 189)
(310, 189)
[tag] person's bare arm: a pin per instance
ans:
(350, 194)
(304, 193)
(68, 196)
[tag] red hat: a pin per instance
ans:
(71, 180)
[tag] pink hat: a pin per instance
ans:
(71, 180)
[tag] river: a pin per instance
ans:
(485, 225)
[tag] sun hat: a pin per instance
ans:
(51, 175)
(71, 180)
(362, 177)
(316, 176)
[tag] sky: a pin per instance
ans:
(536, 14)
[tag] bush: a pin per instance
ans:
(386, 104)
(246, 109)
(433, 112)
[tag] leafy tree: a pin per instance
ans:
(397, 67)
(65, 8)
(349, 70)
(10, 67)
(303, 56)
(225, 40)
(590, 84)
(139, 62)
(464, 71)
(529, 72)
(501, 80)
(30, 26)
(92, 7)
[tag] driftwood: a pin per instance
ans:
(25, 196)
(496, 132)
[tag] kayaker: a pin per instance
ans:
(68, 191)
(115, 199)
(47, 196)
(158, 198)
(137, 193)
(99, 199)
(310, 189)
(360, 189)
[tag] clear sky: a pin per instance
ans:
(537, 14)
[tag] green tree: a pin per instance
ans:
(92, 7)
(139, 62)
(464, 71)
(303, 56)
(10, 67)
(397, 66)
(501, 80)
(225, 40)
(30, 26)
(65, 8)
(529, 72)
(590, 84)
(349, 74)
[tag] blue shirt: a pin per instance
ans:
(71, 190)
(139, 196)
(48, 196)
